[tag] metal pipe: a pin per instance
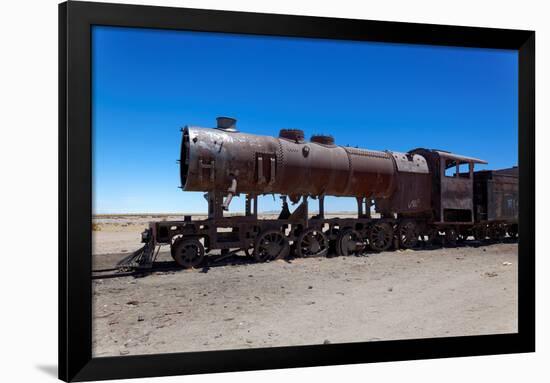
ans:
(230, 193)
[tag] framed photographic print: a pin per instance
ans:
(247, 191)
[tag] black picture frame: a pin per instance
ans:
(75, 191)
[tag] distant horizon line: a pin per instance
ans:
(233, 213)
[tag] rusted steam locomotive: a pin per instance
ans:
(403, 199)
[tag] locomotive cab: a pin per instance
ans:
(452, 185)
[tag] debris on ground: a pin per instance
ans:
(354, 301)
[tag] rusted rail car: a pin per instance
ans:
(403, 199)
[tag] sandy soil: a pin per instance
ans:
(237, 304)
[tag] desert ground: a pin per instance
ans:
(467, 290)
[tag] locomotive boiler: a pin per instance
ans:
(223, 160)
(403, 199)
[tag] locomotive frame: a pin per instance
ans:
(403, 199)
(75, 193)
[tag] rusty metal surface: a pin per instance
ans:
(323, 139)
(412, 189)
(410, 163)
(456, 193)
(212, 159)
(496, 195)
(411, 193)
(452, 195)
(225, 162)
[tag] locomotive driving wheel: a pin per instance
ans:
(463, 235)
(349, 242)
(312, 243)
(175, 245)
(249, 252)
(408, 234)
(333, 243)
(497, 232)
(188, 253)
(380, 236)
(271, 245)
(430, 236)
(451, 236)
(480, 232)
(513, 231)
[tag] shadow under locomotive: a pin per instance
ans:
(424, 196)
(239, 258)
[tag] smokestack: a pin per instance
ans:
(227, 124)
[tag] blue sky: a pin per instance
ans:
(147, 84)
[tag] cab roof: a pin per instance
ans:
(459, 158)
